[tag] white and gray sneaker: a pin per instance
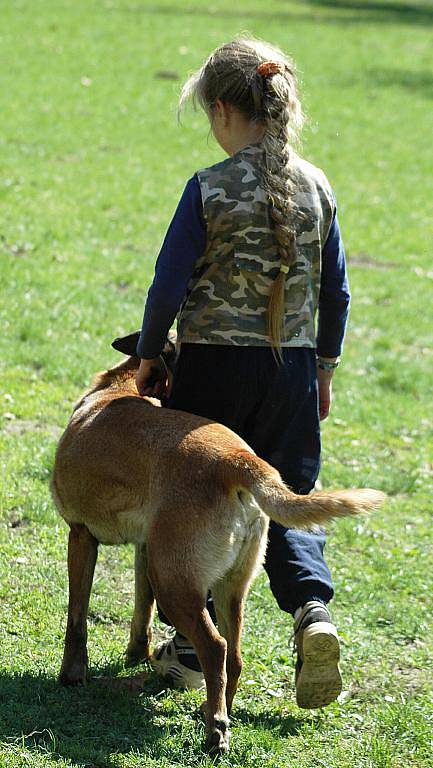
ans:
(317, 677)
(176, 661)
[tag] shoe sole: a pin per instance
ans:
(319, 681)
(179, 675)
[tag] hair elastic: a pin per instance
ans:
(284, 268)
(269, 68)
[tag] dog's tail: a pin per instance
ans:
(290, 509)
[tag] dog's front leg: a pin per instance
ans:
(141, 632)
(82, 554)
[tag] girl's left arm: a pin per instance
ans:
(334, 296)
(334, 301)
(184, 243)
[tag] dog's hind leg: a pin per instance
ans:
(191, 619)
(185, 607)
(141, 625)
(211, 650)
(229, 596)
(82, 554)
(229, 607)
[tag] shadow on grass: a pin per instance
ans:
(281, 723)
(411, 13)
(88, 724)
(416, 82)
(344, 12)
(83, 724)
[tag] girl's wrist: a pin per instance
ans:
(328, 364)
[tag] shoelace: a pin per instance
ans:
(292, 638)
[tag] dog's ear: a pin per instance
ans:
(127, 344)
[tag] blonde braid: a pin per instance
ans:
(281, 116)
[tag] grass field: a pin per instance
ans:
(92, 166)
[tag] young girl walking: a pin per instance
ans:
(252, 254)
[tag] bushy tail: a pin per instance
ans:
(290, 509)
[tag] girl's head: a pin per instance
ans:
(257, 81)
(237, 74)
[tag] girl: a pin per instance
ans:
(253, 250)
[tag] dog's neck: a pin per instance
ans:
(121, 376)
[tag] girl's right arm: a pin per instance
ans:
(184, 243)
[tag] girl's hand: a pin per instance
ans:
(152, 378)
(324, 379)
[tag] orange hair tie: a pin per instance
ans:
(269, 68)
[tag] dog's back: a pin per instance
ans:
(122, 459)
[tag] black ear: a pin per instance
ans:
(127, 344)
(169, 352)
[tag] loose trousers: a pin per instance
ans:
(274, 408)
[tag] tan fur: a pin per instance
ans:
(195, 500)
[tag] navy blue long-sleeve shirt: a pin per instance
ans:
(185, 242)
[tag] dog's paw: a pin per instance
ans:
(218, 737)
(136, 653)
(73, 674)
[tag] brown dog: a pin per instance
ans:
(195, 500)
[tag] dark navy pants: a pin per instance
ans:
(274, 409)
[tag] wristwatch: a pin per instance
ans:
(326, 365)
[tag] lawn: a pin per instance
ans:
(93, 163)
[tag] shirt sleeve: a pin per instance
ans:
(184, 243)
(334, 296)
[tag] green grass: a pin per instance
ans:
(92, 166)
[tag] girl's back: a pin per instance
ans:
(228, 294)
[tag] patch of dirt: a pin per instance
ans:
(24, 426)
(412, 679)
(167, 74)
(104, 617)
(365, 260)
(132, 684)
(18, 522)
(409, 680)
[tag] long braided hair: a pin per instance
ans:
(259, 80)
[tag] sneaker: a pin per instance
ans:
(317, 676)
(166, 660)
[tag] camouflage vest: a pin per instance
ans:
(228, 293)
